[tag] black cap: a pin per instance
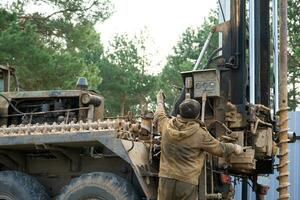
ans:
(190, 109)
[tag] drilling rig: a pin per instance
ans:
(58, 145)
(236, 99)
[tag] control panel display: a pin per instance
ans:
(207, 81)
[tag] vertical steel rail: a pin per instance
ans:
(263, 54)
(252, 50)
(275, 55)
(283, 103)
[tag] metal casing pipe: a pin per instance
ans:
(252, 50)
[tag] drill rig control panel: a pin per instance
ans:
(248, 125)
(204, 81)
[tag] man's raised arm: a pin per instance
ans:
(160, 115)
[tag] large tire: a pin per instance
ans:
(98, 185)
(19, 186)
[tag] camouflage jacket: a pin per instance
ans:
(182, 147)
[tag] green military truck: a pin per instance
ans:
(57, 145)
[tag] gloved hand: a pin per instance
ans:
(160, 97)
(238, 149)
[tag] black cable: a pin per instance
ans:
(12, 105)
(214, 59)
(214, 53)
(211, 58)
(132, 146)
(222, 10)
(252, 187)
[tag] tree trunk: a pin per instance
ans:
(143, 104)
(122, 105)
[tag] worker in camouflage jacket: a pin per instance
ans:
(184, 140)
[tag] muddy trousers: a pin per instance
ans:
(171, 189)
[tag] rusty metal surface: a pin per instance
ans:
(272, 181)
(104, 137)
(76, 135)
(41, 94)
(138, 153)
(235, 51)
(283, 112)
(244, 162)
(56, 128)
(37, 139)
(264, 46)
(15, 107)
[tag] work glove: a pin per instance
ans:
(160, 97)
(238, 149)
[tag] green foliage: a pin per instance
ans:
(51, 50)
(185, 55)
(293, 53)
(125, 83)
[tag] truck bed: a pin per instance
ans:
(65, 139)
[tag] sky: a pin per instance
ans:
(163, 21)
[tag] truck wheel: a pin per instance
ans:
(19, 186)
(98, 186)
